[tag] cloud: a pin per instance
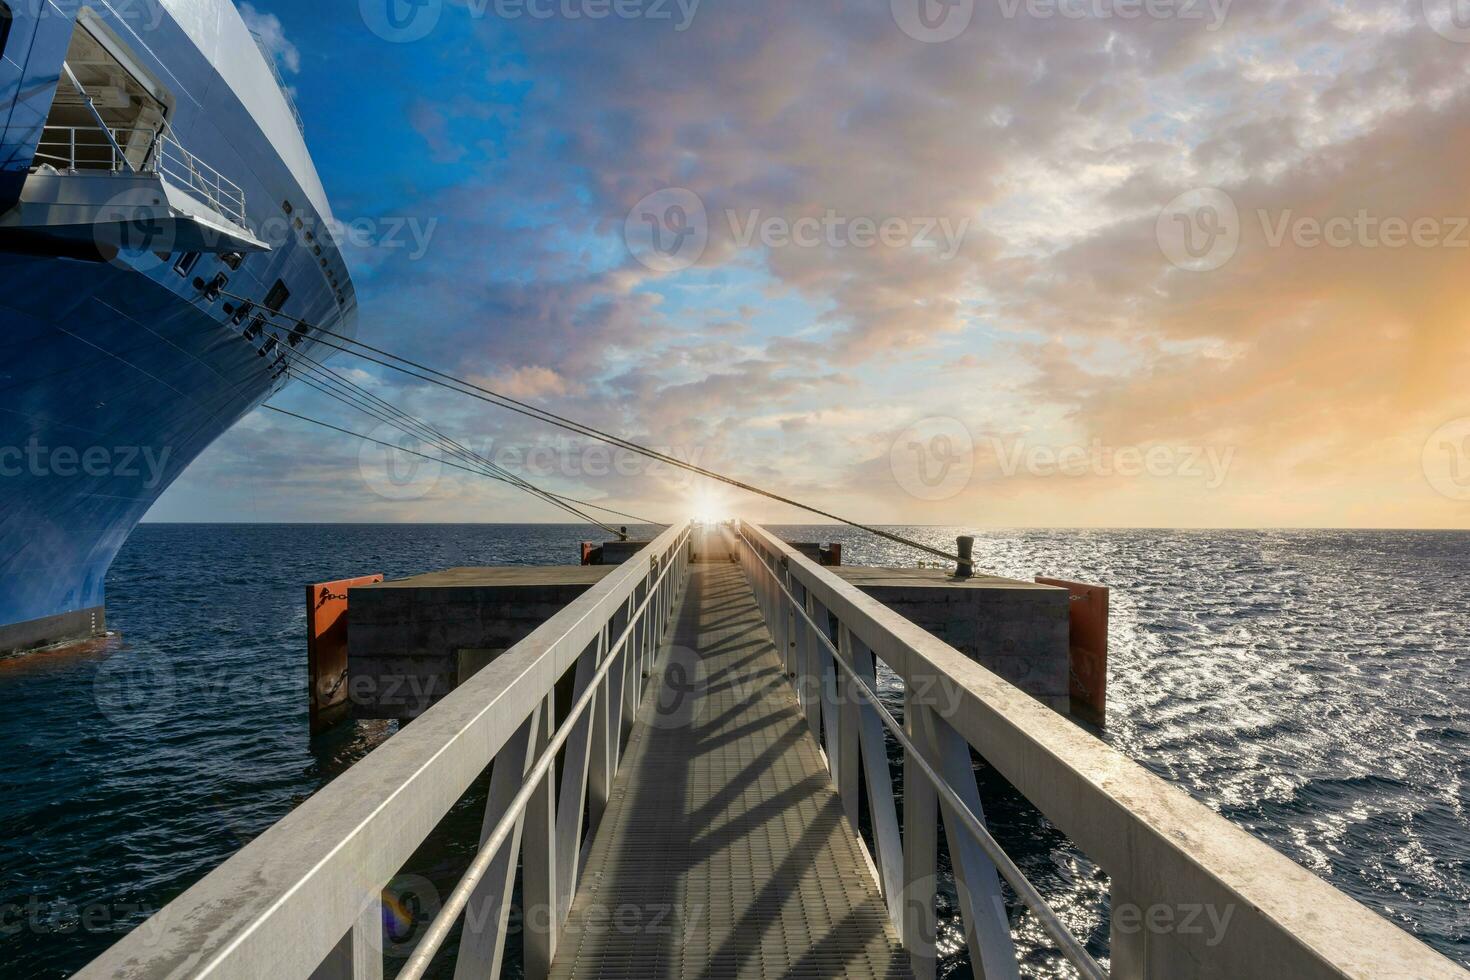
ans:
(267, 27)
(1055, 143)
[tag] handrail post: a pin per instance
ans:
(576, 769)
(538, 860)
(982, 906)
(482, 943)
(359, 956)
(920, 853)
(848, 719)
(829, 693)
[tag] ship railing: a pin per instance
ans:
(306, 898)
(147, 150)
(89, 148)
(1192, 895)
(270, 60)
(198, 178)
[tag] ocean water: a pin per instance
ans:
(1312, 687)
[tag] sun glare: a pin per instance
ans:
(709, 509)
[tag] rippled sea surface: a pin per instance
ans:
(1312, 687)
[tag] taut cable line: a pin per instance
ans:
(464, 387)
(334, 385)
(459, 466)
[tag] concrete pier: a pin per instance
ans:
(1019, 631)
(413, 641)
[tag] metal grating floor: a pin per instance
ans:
(723, 852)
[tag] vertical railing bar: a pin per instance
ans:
(538, 860)
(982, 906)
(487, 916)
(812, 686)
(920, 853)
(576, 763)
(359, 955)
(849, 719)
(882, 806)
(829, 695)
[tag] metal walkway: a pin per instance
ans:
(724, 851)
(721, 841)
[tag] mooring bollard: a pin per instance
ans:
(966, 567)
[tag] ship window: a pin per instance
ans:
(5, 19)
(186, 263)
(277, 297)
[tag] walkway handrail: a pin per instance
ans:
(304, 898)
(973, 824)
(423, 954)
(1177, 868)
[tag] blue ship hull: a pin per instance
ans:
(117, 371)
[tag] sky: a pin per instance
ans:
(1135, 263)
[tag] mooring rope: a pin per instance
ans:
(480, 392)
